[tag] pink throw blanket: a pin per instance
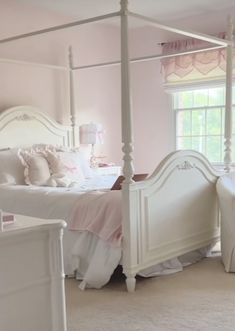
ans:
(100, 213)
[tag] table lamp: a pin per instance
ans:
(91, 134)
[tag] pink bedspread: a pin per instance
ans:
(100, 213)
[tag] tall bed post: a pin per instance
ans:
(127, 140)
(228, 107)
(73, 116)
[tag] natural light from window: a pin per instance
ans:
(200, 121)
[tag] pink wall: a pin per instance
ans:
(153, 118)
(97, 90)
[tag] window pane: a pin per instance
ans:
(198, 144)
(184, 143)
(216, 96)
(184, 123)
(200, 98)
(176, 100)
(222, 124)
(198, 122)
(222, 149)
(214, 149)
(213, 121)
(233, 95)
(185, 99)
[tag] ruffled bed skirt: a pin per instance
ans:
(93, 261)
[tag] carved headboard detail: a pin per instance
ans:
(26, 125)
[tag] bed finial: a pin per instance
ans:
(72, 103)
(228, 106)
(70, 57)
(124, 5)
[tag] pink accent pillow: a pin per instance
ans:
(71, 165)
(65, 164)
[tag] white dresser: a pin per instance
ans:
(32, 294)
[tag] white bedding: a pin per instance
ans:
(57, 203)
(94, 259)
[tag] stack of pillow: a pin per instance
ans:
(43, 165)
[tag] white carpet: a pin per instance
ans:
(202, 297)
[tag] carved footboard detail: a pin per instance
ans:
(175, 211)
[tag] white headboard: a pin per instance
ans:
(26, 125)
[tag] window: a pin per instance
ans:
(200, 121)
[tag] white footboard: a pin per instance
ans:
(172, 212)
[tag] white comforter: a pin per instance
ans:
(82, 250)
(93, 258)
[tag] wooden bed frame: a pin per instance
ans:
(172, 212)
(175, 210)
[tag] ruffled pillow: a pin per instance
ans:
(43, 147)
(64, 164)
(67, 167)
(55, 164)
(73, 157)
(75, 161)
(37, 171)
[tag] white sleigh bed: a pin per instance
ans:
(172, 212)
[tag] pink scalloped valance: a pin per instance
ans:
(201, 62)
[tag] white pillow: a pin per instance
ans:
(11, 169)
(75, 156)
(69, 165)
(63, 168)
(7, 179)
(83, 163)
(36, 170)
(69, 155)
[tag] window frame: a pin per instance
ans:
(193, 87)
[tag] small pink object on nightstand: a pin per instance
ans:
(8, 218)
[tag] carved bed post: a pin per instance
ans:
(127, 140)
(228, 107)
(73, 116)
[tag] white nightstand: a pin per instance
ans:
(109, 170)
(32, 276)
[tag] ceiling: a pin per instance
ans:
(163, 10)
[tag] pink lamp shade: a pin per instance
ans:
(91, 133)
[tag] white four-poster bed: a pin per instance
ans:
(172, 212)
